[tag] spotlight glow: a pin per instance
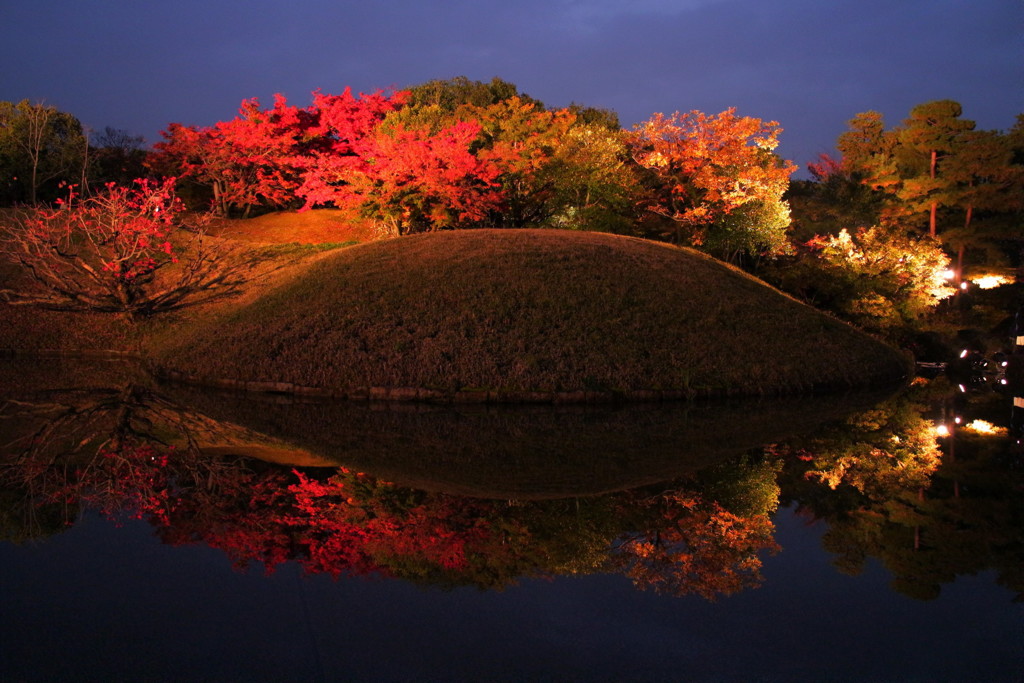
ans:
(990, 281)
(985, 427)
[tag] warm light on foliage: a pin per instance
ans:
(882, 277)
(698, 538)
(887, 449)
(413, 181)
(595, 183)
(435, 161)
(709, 166)
(697, 547)
(990, 281)
(985, 427)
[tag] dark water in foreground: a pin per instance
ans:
(101, 603)
(717, 559)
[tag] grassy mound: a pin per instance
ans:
(505, 312)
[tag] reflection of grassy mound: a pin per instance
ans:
(483, 451)
(525, 452)
(530, 310)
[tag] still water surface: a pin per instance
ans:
(641, 543)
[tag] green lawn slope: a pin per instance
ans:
(516, 315)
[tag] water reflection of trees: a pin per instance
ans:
(879, 478)
(930, 508)
(337, 521)
(103, 447)
(130, 451)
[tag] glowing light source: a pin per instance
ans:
(985, 427)
(941, 430)
(990, 281)
(949, 274)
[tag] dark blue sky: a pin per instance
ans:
(809, 64)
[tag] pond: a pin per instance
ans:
(157, 532)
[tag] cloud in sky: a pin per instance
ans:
(811, 65)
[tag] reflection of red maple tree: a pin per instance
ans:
(343, 522)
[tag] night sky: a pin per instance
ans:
(809, 64)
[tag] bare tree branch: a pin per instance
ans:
(126, 250)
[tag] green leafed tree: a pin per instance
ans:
(937, 173)
(595, 183)
(40, 148)
(448, 95)
(932, 136)
(988, 189)
(867, 151)
(912, 165)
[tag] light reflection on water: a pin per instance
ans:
(937, 543)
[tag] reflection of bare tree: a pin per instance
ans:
(73, 422)
(108, 446)
(50, 436)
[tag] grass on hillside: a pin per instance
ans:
(316, 226)
(528, 310)
(30, 328)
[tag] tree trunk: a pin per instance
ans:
(935, 205)
(960, 253)
(218, 199)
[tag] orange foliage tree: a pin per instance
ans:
(705, 168)
(523, 140)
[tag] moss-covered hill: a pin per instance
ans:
(493, 314)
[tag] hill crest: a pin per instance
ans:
(499, 314)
